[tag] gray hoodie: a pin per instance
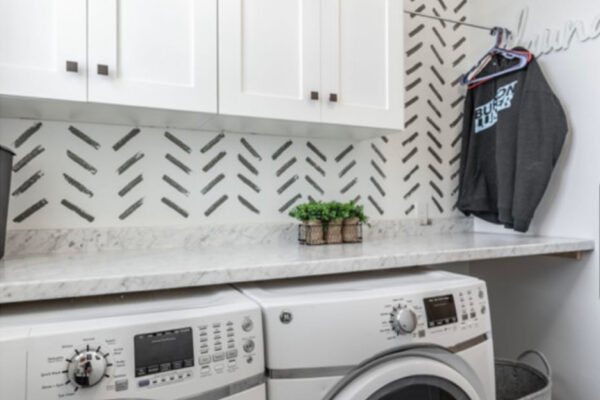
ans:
(514, 130)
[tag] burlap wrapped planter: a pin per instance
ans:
(312, 232)
(351, 230)
(333, 232)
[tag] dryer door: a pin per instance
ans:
(428, 373)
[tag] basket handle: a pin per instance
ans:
(541, 356)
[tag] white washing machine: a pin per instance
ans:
(201, 344)
(415, 335)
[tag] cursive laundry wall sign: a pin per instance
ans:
(555, 40)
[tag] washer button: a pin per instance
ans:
(249, 346)
(247, 325)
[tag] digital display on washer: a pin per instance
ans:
(440, 311)
(163, 351)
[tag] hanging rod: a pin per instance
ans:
(487, 28)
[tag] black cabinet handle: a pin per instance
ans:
(314, 95)
(102, 69)
(333, 97)
(72, 66)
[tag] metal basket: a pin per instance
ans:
(516, 380)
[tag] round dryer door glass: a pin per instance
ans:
(421, 388)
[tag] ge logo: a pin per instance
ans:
(285, 317)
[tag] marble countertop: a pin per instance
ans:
(72, 275)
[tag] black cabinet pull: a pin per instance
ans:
(314, 95)
(102, 69)
(72, 66)
(333, 97)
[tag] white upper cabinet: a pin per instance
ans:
(43, 48)
(154, 53)
(269, 58)
(362, 63)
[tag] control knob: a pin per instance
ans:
(404, 321)
(87, 368)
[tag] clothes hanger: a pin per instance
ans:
(524, 57)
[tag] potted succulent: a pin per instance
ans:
(353, 215)
(310, 214)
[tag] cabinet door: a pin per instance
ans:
(154, 53)
(362, 61)
(269, 58)
(43, 48)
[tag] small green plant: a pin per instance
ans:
(328, 212)
(356, 211)
(312, 211)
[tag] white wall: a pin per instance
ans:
(548, 303)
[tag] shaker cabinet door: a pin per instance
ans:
(154, 53)
(269, 58)
(43, 48)
(362, 61)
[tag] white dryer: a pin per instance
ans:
(201, 344)
(418, 334)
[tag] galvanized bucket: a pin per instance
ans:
(516, 380)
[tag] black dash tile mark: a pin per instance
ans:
(385, 139)
(458, 25)
(285, 166)
(459, 60)
(378, 169)
(411, 102)
(412, 191)
(437, 143)
(289, 203)
(344, 152)
(414, 49)
(457, 121)
(212, 143)
(413, 84)
(247, 164)
(418, 29)
(459, 6)
(410, 139)
(436, 54)
(437, 204)
(178, 163)
(175, 185)
(311, 199)
(437, 74)
(85, 138)
(411, 173)
(457, 80)
(356, 199)
(130, 210)
(378, 152)
(29, 132)
(173, 206)
(375, 204)
(455, 174)
(455, 190)
(178, 142)
(377, 186)
(443, 4)
(436, 172)
(249, 183)
(280, 150)
(460, 42)
(78, 185)
(433, 125)
(455, 206)
(30, 211)
(349, 185)
(89, 218)
(411, 120)
(409, 209)
(457, 101)
(434, 108)
(434, 154)
(214, 161)
(82, 163)
(28, 183)
(212, 183)
(414, 68)
(436, 92)
(314, 184)
(248, 205)
(287, 184)
(316, 166)
(409, 155)
(127, 164)
(439, 37)
(347, 168)
(26, 159)
(316, 151)
(457, 139)
(127, 188)
(436, 188)
(455, 159)
(250, 149)
(437, 14)
(125, 139)
(216, 205)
